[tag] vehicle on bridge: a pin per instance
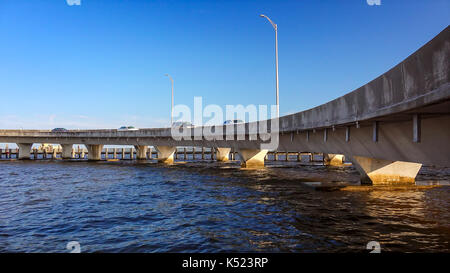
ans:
(233, 121)
(182, 124)
(59, 130)
(127, 128)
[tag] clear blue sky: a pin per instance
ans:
(102, 64)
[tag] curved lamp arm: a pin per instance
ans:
(169, 77)
(270, 21)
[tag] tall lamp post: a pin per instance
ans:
(171, 109)
(275, 27)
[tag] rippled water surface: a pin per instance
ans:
(127, 206)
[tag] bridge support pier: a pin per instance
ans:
(66, 152)
(223, 154)
(24, 150)
(333, 159)
(165, 153)
(385, 172)
(141, 152)
(94, 152)
(252, 158)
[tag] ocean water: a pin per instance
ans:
(206, 206)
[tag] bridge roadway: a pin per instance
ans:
(388, 128)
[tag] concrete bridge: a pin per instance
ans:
(388, 128)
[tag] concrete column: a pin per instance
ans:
(24, 150)
(94, 151)
(333, 159)
(66, 152)
(223, 154)
(141, 152)
(252, 158)
(385, 172)
(165, 153)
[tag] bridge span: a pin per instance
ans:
(388, 128)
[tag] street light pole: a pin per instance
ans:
(171, 109)
(275, 27)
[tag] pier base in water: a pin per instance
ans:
(94, 152)
(165, 153)
(333, 159)
(141, 152)
(66, 152)
(24, 150)
(252, 158)
(385, 172)
(223, 154)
